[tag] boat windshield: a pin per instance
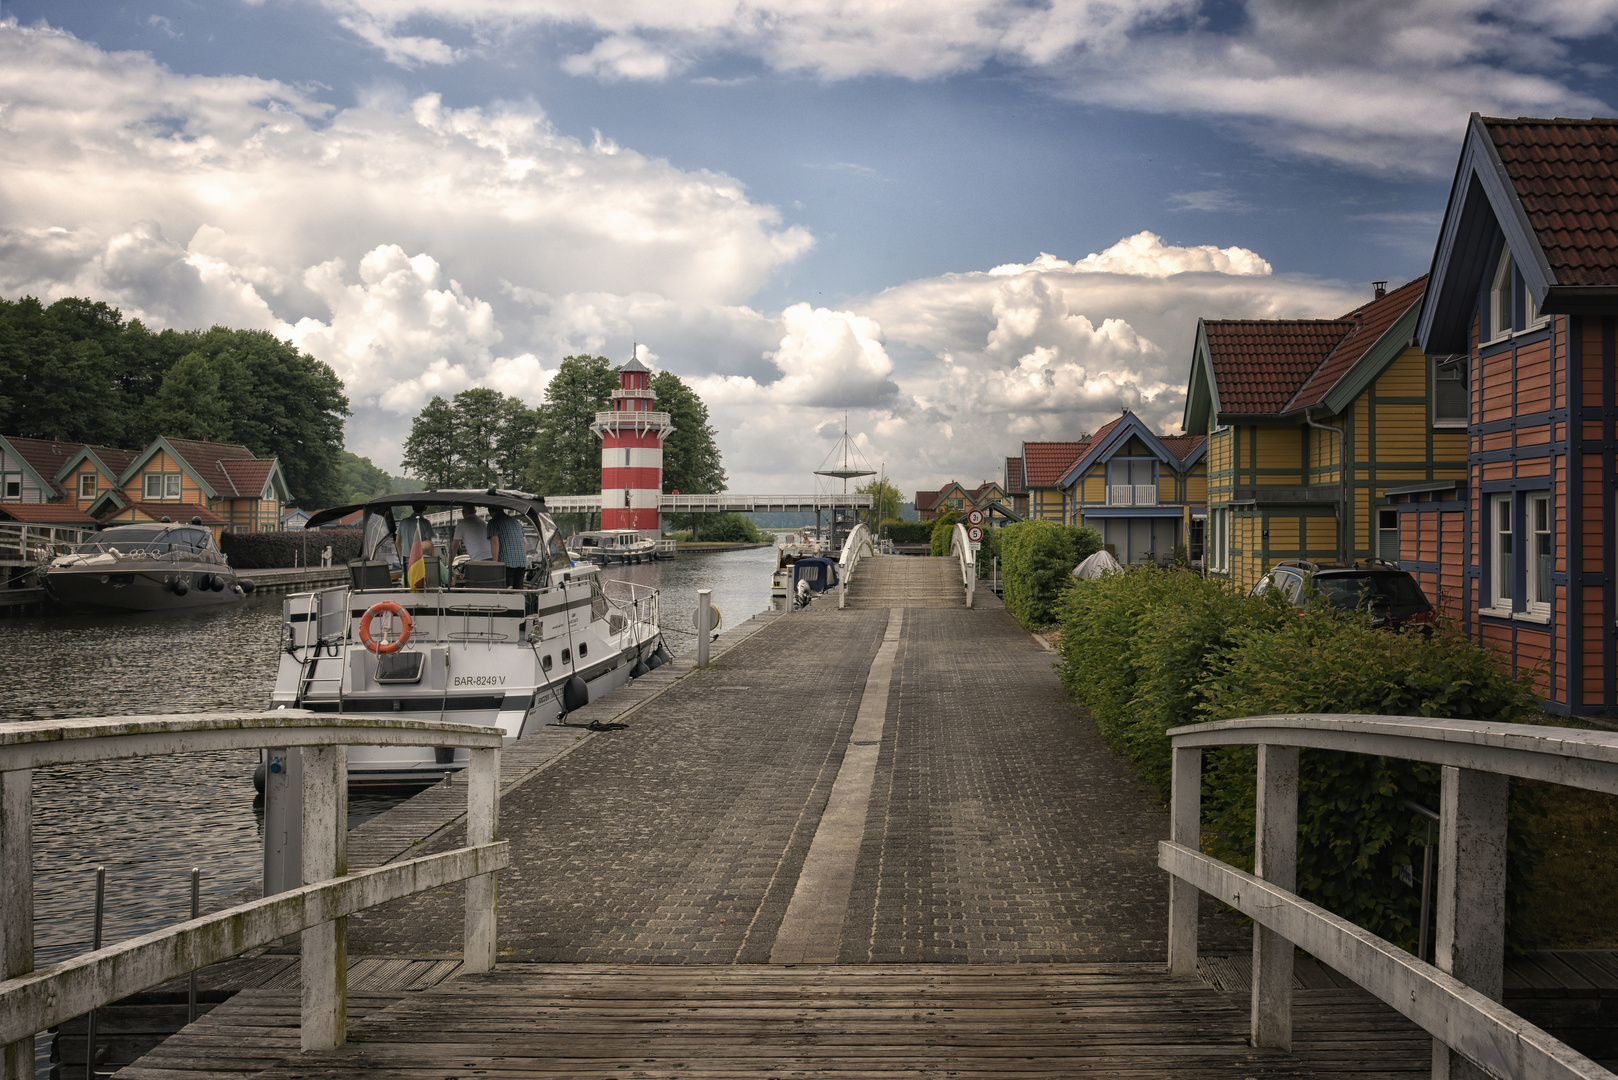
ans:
(153, 539)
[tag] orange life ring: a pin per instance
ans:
(385, 646)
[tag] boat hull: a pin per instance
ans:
(98, 589)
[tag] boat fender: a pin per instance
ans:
(575, 695)
(180, 587)
(258, 778)
(639, 669)
(247, 585)
(385, 646)
(204, 582)
(217, 583)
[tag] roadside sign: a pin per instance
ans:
(975, 534)
(975, 518)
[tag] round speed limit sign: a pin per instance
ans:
(975, 534)
(975, 518)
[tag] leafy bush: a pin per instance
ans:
(943, 530)
(1037, 559)
(988, 550)
(907, 532)
(295, 547)
(728, 529)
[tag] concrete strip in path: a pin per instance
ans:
(812, 930)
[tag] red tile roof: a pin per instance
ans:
(46, 513)
(249, 477)
(1258, 365)
(1045, 463)
(1014, 484)
(208, 459)
(1565, 173)
(118, 461)
(1182, 446)
(1370, 322)
(926, 500)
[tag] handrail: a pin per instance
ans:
(41, 542)
(856, 544)
(1456, 999)
(32, 1001)
(961, 546)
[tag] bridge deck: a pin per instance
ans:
(905, 797)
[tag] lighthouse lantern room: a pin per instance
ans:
(632, 435)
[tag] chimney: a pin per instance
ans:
(1381, 288)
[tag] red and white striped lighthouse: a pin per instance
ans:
(632, 453)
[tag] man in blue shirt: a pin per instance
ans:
(505, 537)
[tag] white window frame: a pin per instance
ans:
(1463, 366)
(1539, 528)
(1383, 513)
(1502, 551)
(1501, 309)
(169, 487)
(87, 480)
(1216, 540)
(8, 479)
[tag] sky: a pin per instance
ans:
(955, 225)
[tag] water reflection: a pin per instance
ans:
(150, 821)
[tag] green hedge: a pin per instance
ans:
(942, 530)
(1149, 649)
(294, 547)
(907, 532)
(727, 529)
(1037, 560)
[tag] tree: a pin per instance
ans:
(885, 500)
(565, 458)
(360, 478)
(429, 452)
(691, 460)
(188, 404)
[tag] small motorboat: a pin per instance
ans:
(156, 567)
(613, 546)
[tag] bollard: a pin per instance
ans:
(90, 1021)
(704, 624)
(191, 983)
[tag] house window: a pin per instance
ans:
(1450, 392)
(12, 482)
(1500, 305)
(87, 485)
(1387, 535)
(1195, 535)
(1541, 554)
(1219, 541)
(1503, 560)
(161, 486)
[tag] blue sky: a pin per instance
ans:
(807, 209)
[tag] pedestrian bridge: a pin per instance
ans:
(724, 502)
(861, 841)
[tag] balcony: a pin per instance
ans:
(1132, 495)
(648, 394)
(628, 420)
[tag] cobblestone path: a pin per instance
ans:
(998, 828)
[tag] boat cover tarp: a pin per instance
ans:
(1100, 563)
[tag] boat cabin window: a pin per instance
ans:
(126, 538)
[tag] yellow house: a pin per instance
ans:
(1145, 494)
(1043, 466)
(184, 480)
(1310, 424)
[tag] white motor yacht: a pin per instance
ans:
(464, 645)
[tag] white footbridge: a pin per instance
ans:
(724, 502)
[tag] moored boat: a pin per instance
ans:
(613, 546)
(147, 567)
(466, 645)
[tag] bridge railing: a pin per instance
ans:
(962, 548)
(1456, 999)
(32, 1001)
(856, 546)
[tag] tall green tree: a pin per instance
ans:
(885, 500)
(691, 459)
(360, 479)
(565, 458)
(429, 451)
(476, 440)
(188, 404)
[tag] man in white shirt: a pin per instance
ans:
(473, 535)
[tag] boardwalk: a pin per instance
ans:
(877, 841)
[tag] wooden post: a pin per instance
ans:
(1471, 893)
(704, 626)
(1185, 827)
(1276, 861)
(325, 856)
(16, 903)
(482, 827)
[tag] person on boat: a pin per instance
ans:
(416, 543)
(472, 535)
(505, 536)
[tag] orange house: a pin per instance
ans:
(183, 480)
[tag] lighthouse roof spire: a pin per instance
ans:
(634, 364)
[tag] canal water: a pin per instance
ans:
(149, 822)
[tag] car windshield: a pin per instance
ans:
(1394, 590)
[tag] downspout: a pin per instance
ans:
(1342, 479)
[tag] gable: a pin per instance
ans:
(1382, 330)
(1127, 436)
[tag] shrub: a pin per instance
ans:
(728, 529)
(294, 547)
(988, 550)
(1037, 559)
(907, 532)
(943, 530)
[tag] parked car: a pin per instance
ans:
(1392, 597)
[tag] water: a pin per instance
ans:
(150, 821)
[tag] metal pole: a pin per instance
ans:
(90, 1020)
(196, 910)
(704, 602)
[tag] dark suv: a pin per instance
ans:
(1389, 594)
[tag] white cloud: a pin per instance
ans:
(1362, 82)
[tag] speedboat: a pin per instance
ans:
(155, 567)
(613, 546)
(407, 638)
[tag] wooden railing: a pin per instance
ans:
(1456, 999)
(32, 1001)
(40, 543)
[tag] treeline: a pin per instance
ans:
(76, 370)
(482, 437)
